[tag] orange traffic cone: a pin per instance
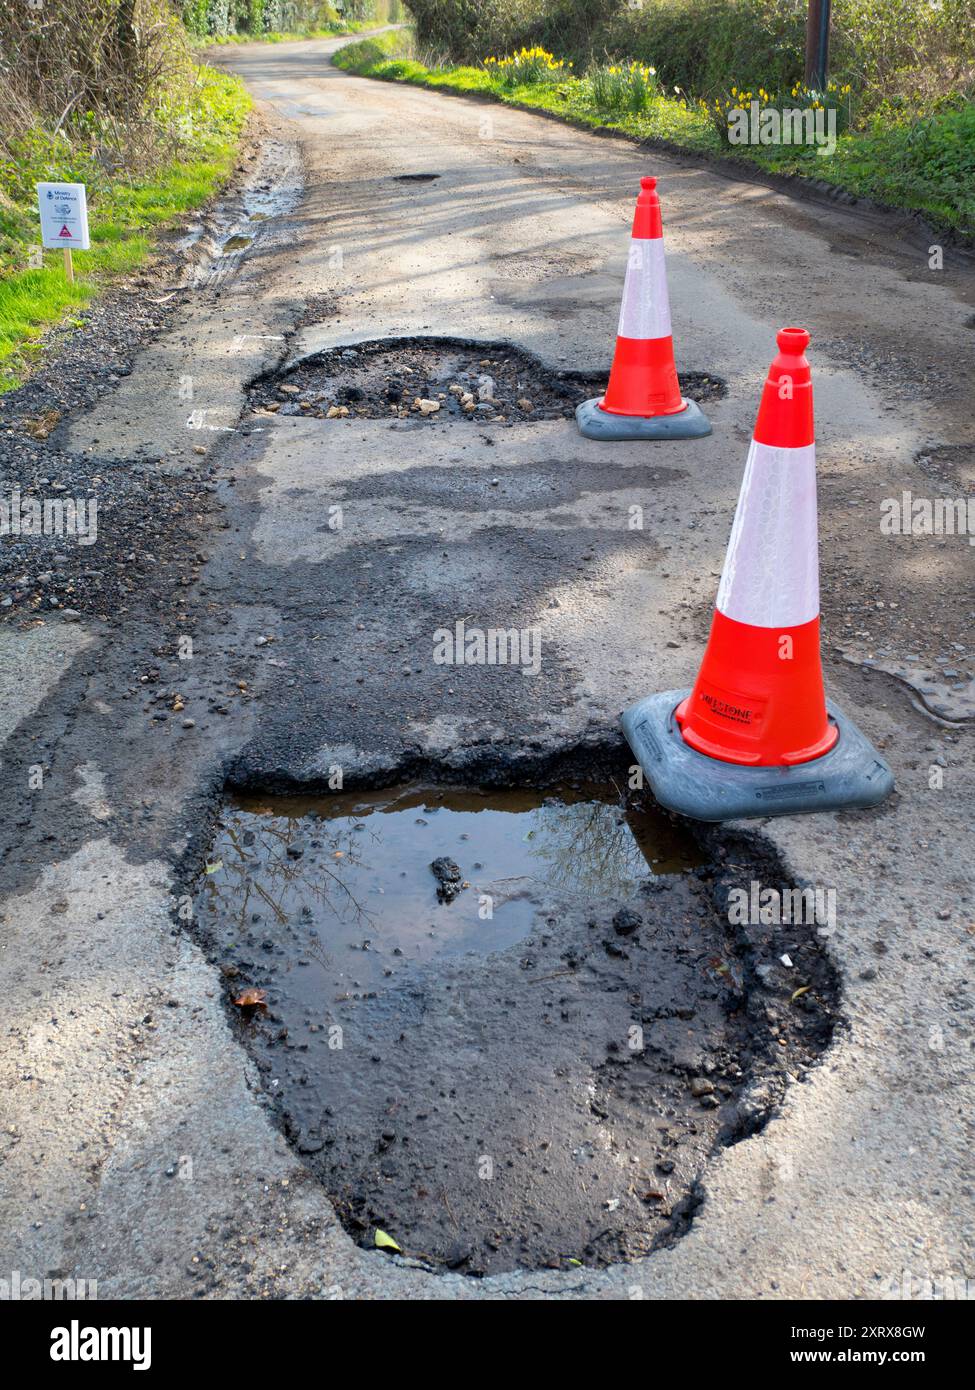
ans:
(755, 735)
(643, 399)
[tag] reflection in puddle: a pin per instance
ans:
(342, 885)
(237, 243)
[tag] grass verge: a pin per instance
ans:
(123, 211)
(925, 165)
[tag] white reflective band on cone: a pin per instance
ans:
(645, 312)
(771, 570)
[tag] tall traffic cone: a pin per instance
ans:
(755, 736)
(643, 399)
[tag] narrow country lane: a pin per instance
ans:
(408, 215)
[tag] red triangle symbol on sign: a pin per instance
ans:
(64, 232)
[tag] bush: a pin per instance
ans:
(692, 43)
(703, 46)
(905, 54)
(118, 65)
(914, 55)
(471, 30)
(219, 19)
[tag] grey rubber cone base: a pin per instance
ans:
(594, 423)
(852, 773)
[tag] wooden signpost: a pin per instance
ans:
(817, 44)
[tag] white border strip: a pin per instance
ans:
(645, 311)
(771, 570)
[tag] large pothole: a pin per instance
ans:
(434, 379)
(525, 1062)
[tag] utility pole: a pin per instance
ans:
(817, 44)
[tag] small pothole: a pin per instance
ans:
(438, 379)
(521, 1057)
(415, 178)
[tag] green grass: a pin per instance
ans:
(925, 165)
(122, 214)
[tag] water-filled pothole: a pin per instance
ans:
(434, 379)
(347, 880)
(530, 1071)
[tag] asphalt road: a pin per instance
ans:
(136, 1145)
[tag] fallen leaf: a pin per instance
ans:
(41, 426)
(802, 990)
(251, 998)
(213, 868)
(385, 1242)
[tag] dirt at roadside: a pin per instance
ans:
(141, 537)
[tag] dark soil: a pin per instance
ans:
(466, 381)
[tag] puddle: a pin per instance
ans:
(434, 379)
(253, 213)
(532, 1075)
(276, 195)
(348, 881)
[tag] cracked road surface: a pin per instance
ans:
(137, 1146)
